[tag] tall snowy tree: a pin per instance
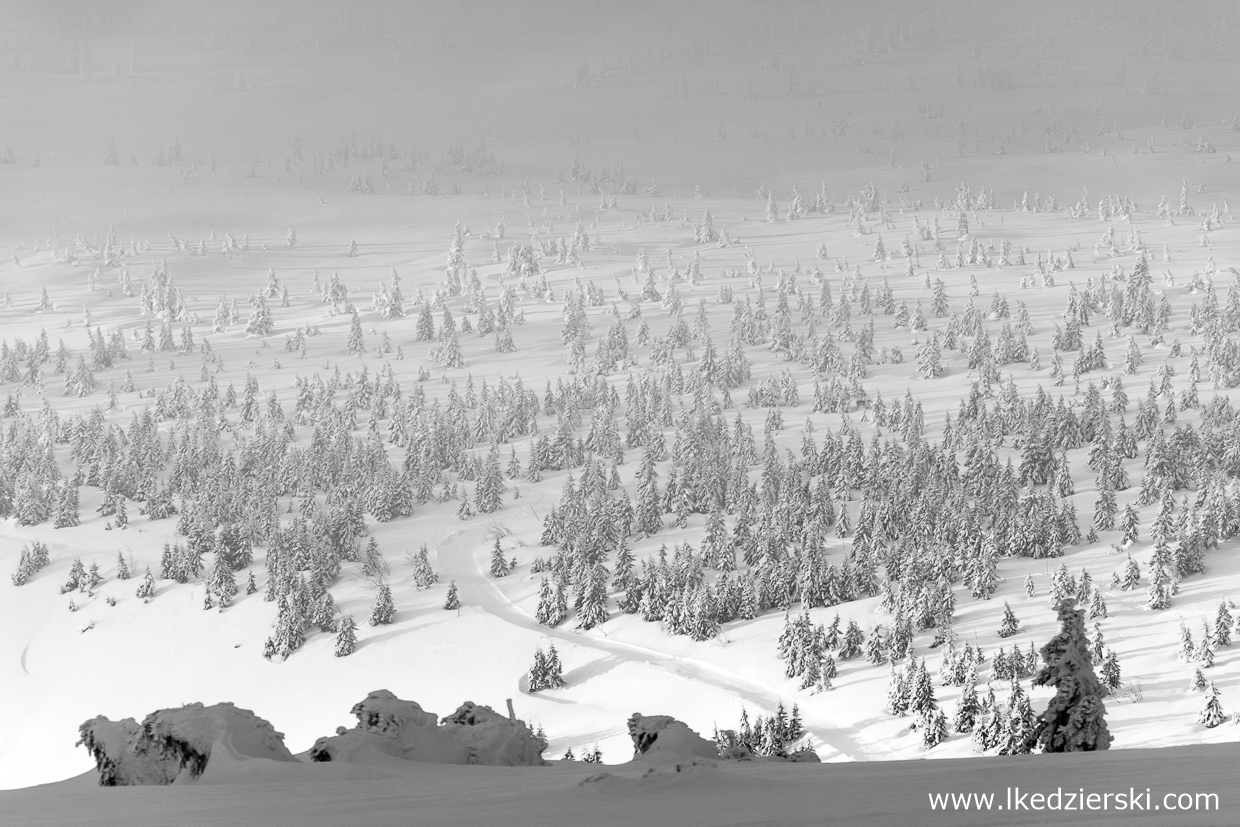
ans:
(1075, 719)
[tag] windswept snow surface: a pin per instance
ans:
(861, 794)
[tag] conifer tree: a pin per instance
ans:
(93, 576)
(146, 589)
(552, 604)
(346, 637)
(1198, 683)
(547, 671)
(1128, 523)
(323, 612)
(452, 601)
(424, 575)
(1211, 714)
(898, 694)
(67, 506)
(1010, 625)
(1161, 585)
(537, 675)
(1075, 718)
(933, 727)
(1132, 575)
(384, 609)
(1020, 725)
(122, 567)
(1110, 671)
(356, 345)
(499, 564)
(1222, 625)
(850, 644)
(921, 690)
(221, 582)
(967, 707)
(77, 577)
(593, 609)
(424, 331)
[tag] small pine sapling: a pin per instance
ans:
(1198, 682)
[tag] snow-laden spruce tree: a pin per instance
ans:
(384, 609)
(146, 589)
(1212, 712)
(1010, 624)
(356, 345)
(346, 637)
(1075, 719)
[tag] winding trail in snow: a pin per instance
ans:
(460, 555)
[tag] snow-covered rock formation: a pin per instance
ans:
(663, 738)
(178, 745)
(390, 728)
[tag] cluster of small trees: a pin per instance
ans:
(547, 671)
(30, 560)
(766, 735)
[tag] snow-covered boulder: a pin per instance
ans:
(172, 745)
(663, 738)
(108, 743)
(390, 728)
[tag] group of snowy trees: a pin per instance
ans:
(547, 671)
(862, 509)
(769, 735)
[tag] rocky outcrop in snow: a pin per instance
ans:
(390, 728)
(172, 745)
(663, 738)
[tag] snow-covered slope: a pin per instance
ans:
(1069, 103)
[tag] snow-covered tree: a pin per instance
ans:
(1075, 719)
(346, 637)
(384, 609)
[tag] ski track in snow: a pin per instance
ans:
(478, 589)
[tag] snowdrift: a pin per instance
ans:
(178, 745)
(389, 729)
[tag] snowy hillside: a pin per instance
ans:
(743, 363)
